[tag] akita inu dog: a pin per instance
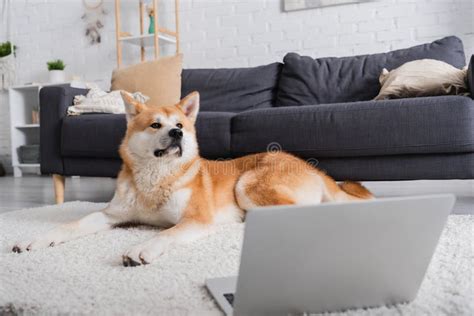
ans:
(164, 182)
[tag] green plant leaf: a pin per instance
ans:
(57, 64)
(6, 49)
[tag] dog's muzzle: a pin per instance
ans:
(176, 135)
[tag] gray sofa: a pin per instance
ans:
(319, 109)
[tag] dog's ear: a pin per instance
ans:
(190, 105)
(132, 106)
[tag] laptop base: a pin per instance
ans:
(223, 290)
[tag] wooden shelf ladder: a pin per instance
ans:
(143, 40)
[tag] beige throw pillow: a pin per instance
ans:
(424, 77)
(159, 79)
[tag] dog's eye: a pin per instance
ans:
(179, 125)
(155, 125)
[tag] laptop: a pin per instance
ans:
(334, 256)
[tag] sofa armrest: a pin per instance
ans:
(54, 101)
(470, 77)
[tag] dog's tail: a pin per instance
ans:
(355, 191)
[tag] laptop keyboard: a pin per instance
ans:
(230, 298)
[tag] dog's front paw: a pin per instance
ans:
(28, 245)
(143, 254)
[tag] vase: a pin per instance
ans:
(34, 117)
(151, 28)
(7, 71)
(57, 76)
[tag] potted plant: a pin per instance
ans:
(56, 71)
(151, 15)
(6, 48)
(7, 64)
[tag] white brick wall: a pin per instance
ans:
(229, 33)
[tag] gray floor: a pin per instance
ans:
(34, 191)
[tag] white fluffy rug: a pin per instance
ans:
(86, 276)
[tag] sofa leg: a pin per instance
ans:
(59, 182)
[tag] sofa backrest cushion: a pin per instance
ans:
(306, 81)
(234, 89)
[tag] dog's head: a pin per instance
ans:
(165, 133)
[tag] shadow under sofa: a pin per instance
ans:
(250, 110)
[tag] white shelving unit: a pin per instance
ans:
(22, 100)
(27, 126)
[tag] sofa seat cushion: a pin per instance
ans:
(305, 80)
(233, 90)
(100, 135)
(369, 128)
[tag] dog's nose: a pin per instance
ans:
(176, 133)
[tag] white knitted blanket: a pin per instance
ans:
(99, 101)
